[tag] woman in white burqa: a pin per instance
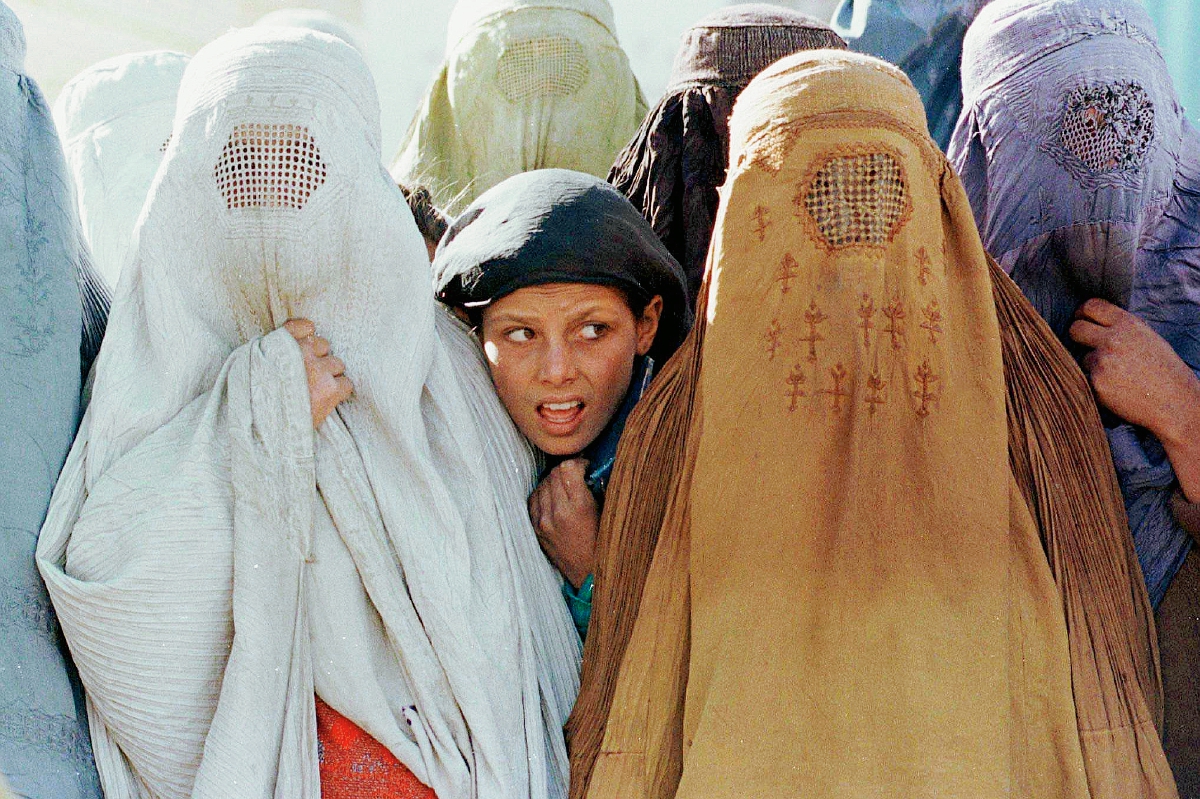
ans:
(216, 565)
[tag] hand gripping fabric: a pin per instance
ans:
(216, 563)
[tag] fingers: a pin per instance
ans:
(537, 509)
(333, 365)
(345, 389)
(320, 346)
(1100, 312)
(300, 328)
(1088, 333)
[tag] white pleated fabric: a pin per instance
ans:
(115, 122)
(214, 563)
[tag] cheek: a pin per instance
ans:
(510, 377)
(611, 371)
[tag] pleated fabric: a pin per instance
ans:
(215, 563)
(845, 598)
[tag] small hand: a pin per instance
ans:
(327, 382)
(565, 515)
(1134, 372)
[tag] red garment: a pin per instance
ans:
(356, 766)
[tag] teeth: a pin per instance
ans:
(560, 406)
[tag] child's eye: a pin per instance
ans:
(519, 335)
(595, 330)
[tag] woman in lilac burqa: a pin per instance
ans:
(1084, 177)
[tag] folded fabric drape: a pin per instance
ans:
(922, 37)
(115, 121)
(1084, 177)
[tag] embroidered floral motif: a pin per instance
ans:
(838, 392)
(895, 315)
(933, 321)
(774, 338)
(788, 269)
(866, 316)
(926, 384)
(1109, 127)
(924, 264)
(60, 733)
(813, 317)
(29, 609)
(796, 390)
(875, 386)
(762, 221)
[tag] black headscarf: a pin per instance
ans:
(674, 164)
(559, 226)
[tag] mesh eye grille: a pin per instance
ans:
(1109, 127)
(858, 199)
(550, 66)
(269, 166)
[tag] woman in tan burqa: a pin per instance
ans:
(889, 553)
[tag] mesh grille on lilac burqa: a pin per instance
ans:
(1084, 177)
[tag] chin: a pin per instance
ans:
(560, 448)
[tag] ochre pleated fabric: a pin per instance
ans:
(1063, 466)
(849, 594)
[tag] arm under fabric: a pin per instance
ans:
(153, 566)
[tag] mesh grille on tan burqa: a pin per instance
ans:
(215, 564)
(842, 478)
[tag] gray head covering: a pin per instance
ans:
(559, 226)
(1084, 177)
(44, 746)
(672, 167)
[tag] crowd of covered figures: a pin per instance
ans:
(830, 428)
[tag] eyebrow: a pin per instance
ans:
(516, 317)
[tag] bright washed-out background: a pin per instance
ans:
(404, 40)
